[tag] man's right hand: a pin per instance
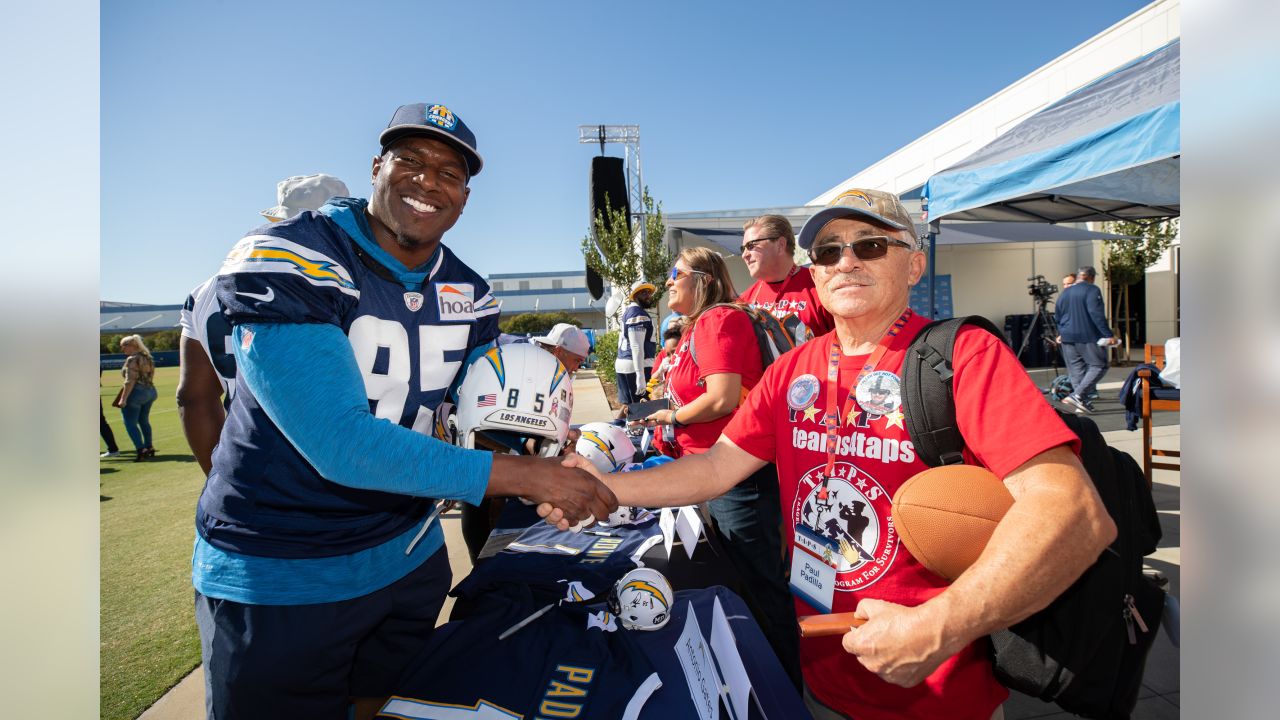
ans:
(572, 494)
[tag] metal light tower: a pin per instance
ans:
(629, 137)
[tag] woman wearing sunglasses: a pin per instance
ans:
(715, 363)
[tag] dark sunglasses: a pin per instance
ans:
(751, 244)
(677, 273)
(868, 248)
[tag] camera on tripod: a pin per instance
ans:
(1040, 289)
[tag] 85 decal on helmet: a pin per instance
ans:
(514, 394)
(642, 599)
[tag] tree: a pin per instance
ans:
(1126, 261)
(611, 248)
(164, 340)
(606, 354)
(536, 323)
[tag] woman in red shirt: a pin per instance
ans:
(716, 362)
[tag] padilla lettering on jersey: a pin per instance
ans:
(565, 663)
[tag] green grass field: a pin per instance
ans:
(148, 633)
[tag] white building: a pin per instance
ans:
(549, 292)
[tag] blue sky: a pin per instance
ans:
(205, 106)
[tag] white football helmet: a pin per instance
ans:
(513, 393)
(607, 446)
(642, 599)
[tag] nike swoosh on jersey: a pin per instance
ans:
(265, 297)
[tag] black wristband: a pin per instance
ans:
(675, 421)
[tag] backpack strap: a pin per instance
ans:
(927, 398)
(760, 325)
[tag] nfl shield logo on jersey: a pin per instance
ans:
(413, 301)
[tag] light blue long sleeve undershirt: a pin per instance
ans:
(306, 379)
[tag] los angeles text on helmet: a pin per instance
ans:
(856, 445)
(506, 417)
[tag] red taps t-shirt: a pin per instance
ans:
(724, 342)
(1005, 421)
(794, 295)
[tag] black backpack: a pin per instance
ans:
(774, 337)
(1087, 650)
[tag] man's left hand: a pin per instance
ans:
(901, 644)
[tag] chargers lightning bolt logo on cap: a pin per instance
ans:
(854, 194)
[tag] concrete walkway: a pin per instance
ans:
(1161, 687)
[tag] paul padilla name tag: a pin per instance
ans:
(814, 560)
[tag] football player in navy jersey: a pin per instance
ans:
(207, 365)
(319, 566)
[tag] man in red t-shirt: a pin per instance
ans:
(781, 287)
(922, 652)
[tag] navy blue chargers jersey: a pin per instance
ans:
(566, 663)
(410, 339)
(544, 558)
(775, 697)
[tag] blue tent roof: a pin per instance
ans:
(1107, 151)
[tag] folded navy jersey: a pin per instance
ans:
(410, 331)
(776, 696)
(575, 661)
(565, 663)
(545, 558)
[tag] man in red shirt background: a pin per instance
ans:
(781, 287)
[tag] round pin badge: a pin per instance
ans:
(879, 393)
(802, 392)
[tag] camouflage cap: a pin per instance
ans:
(876, 205)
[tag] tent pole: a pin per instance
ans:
(934, 227)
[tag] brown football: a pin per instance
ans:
(945, 515)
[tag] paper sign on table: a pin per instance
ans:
(667, 522)
(689, 528)
(699, 670)
(735, 674)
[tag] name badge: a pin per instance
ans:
(813, 568)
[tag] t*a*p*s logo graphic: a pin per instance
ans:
(455, 300)
(441, 116)
(851, 514)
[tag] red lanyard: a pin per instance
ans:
(832, 419)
